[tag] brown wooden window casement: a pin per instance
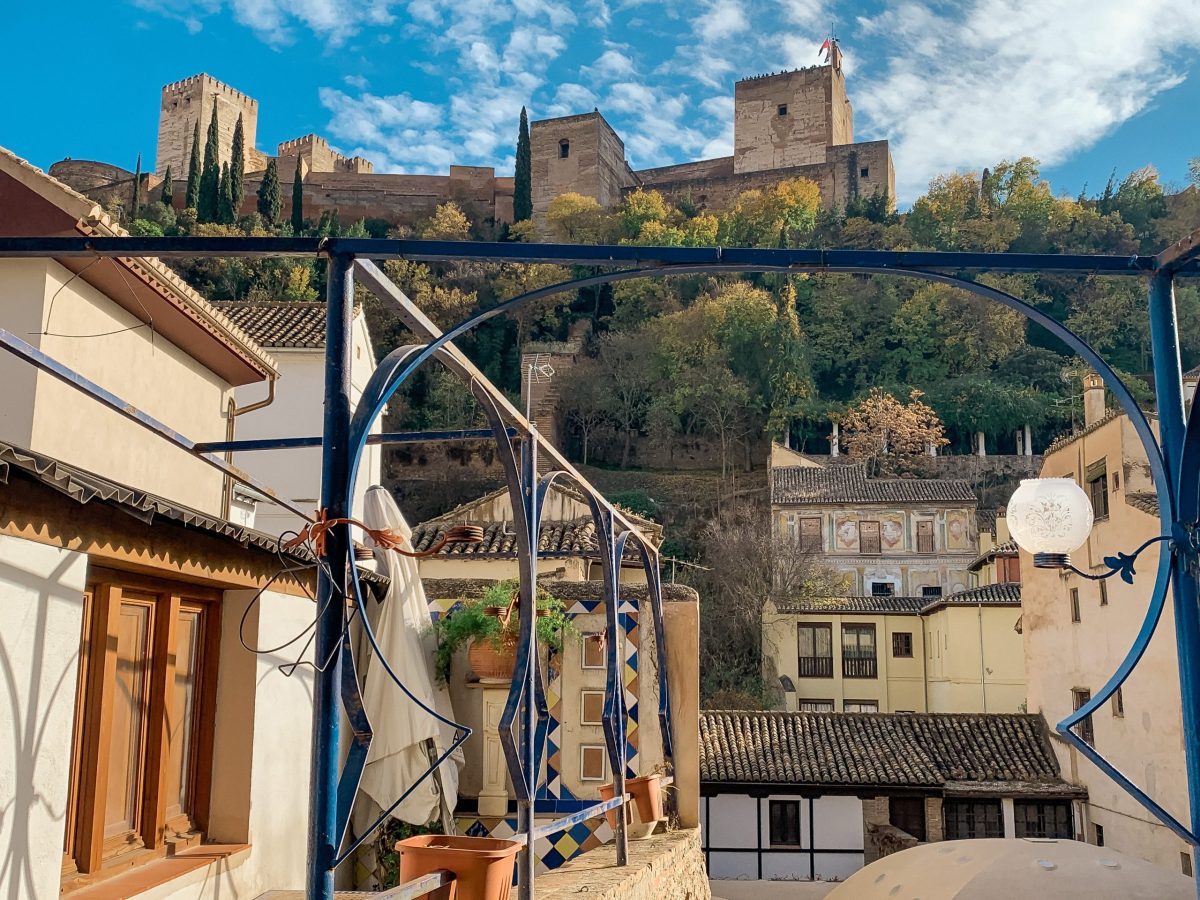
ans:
(810, 534)
(868, 537)
(924, 536)
(141, 759)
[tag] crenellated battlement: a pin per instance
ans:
(306, 141)
(208, 81)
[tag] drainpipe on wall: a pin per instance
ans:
(925, 660)
(231, 413)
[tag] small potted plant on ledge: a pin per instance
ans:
(489, 627)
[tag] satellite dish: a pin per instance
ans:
(786, 683)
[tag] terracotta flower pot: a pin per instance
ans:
(483, 867)
(646, 792)
(492, 664)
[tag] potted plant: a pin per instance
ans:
(645, 794)
(489, 627)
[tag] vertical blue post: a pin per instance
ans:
(323, 837)
(1168, 387)
(526, 809)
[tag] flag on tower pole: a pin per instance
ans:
(826, 48)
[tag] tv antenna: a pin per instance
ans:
(539, 371)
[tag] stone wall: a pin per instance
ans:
(667, 866)
(787, 120)
(594, 164)
(86, 175)
(185, 102)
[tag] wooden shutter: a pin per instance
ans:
(868, 537)
(129, 725)
(924, 536)
(810, 534)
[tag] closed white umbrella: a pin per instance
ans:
(402, 730)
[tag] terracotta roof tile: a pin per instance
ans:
(280, 323)
(1006, 593)
(883, 749)
(576, 537)
(1146, 501)
(865, 604)
(850, 484)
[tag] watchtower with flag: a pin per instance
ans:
(797, 118)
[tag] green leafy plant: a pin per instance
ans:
(493, 617)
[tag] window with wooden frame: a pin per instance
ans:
(1074, 594)
(591, 707)
(142, 741)
(1096, 477)
(1043, 819)
(868, 537)
(902, 644)
(924, 536)
(810, 534)
(1103, 594)
(1080, 696)
(908, 814)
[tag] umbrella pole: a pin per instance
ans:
(443, 806)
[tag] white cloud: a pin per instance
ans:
(720, 20)
(570, 99)
(1006, 78)
(275, 21)
(814, 15)
(610, 65)
(356, 81)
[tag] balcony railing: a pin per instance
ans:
(859, 665)
(816, 666)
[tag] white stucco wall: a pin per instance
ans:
(298, 411)
(735, 823)
(137, 365)
(41, 614)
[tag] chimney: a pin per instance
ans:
(1093, 399)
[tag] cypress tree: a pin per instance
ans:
(225, 196)
(237, 167)
(210, 174)
(297, 201)
(523, 183)
(137, 189)
(191, 198)
(269, 201)
(168, 189)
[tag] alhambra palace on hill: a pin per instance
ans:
(786, 125)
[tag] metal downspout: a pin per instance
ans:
(231, 413)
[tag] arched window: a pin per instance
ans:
(564, 148)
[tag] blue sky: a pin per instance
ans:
(1084, 85)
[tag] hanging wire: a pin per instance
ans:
(149, 323)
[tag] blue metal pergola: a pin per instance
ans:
(1174, 459)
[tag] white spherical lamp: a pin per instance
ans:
(1049, 517)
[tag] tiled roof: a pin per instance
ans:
(569, 592)
(281, 323)
(1006, 593)
(878, 749)
(871, 605)
(1146, 501)
(86, 487)
(1004, 548)
(985, 519)
(850, 484)
(576, 537)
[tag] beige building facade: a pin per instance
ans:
(1077, 631)
(883, 536)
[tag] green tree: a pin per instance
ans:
(191, 198)
(269, 200)
(225, 212)
(297, 200)
(237, 168)
(209, 206)
(448, 223)
(577, 219)
(138, 199)
(168, 189)
(523, 181)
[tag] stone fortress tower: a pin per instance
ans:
(785, 125)
(191, 100)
